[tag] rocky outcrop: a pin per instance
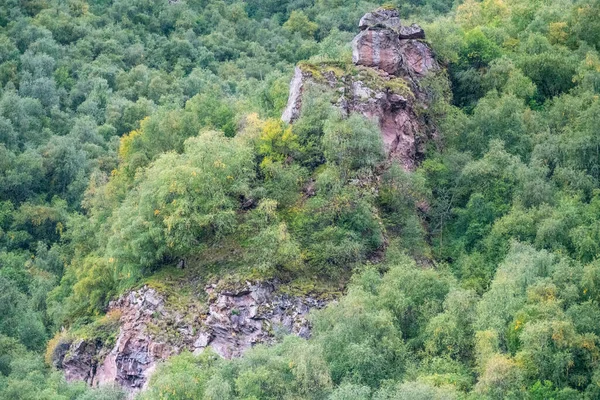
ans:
(78, 361)
(133, 358)
(378, 48)
(152, 329)
(390, 60)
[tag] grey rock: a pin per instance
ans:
(294, 104)
(411, 32)
(203, 340)
(79, 362)
(236, 320)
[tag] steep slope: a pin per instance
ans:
(384, 83)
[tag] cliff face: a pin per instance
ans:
(390, 60)
(152, 329)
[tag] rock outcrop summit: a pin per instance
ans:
(384, 82)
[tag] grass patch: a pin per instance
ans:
(315, 287)
(104, 329)
(319, 70)
(376, 82)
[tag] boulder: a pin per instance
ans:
(411, 32)
(380, 18)
(418, 58)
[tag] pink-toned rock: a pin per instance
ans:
(79, 362)
(399, 124)
(377, 49)
(418, 57)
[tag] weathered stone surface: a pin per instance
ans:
(397, 120)
(59, 353)
(378, 49)
(236, 320)
(294, 104)
(241, 318)
(78, 362)
(135, 353)
(384, 18)
(418, 58)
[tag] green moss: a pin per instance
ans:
(165, 279)
(377, 82)
(104, 330)
(319, 70)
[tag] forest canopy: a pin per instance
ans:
(138, 133)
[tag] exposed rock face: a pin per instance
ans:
(239, 319)
(292, 110)
(135, 354)
(78, 361)
(235, 320)
(390, 59)
(378, 48)
(383, 43)
(417, 58)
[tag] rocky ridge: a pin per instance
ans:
(390, 61)
(235, 319)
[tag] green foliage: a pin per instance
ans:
(182, 201)
(353, 143)
(272, 248)
(339, 226)
(136, 134)
(362, 344)
(186, 377)
(299, 23)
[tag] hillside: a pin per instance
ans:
(210, 199)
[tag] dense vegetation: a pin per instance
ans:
(134, 133)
